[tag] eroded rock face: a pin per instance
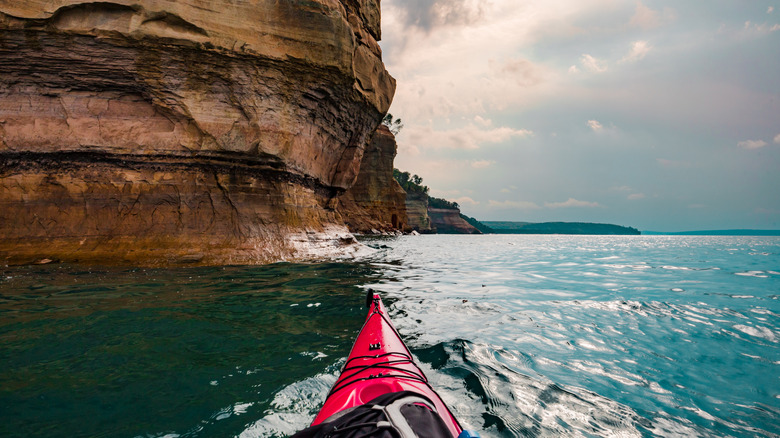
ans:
(449, 221)
(376, 201)
(417, 212)
(267, 103)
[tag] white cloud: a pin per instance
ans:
(777, 139)
(465, 200)
(595, 125)
(571, 202)
(645, 17)
(770, 9)
(446, 194)
(592, 64)
(638, 51)
(762, 28)
(483, 122)
(522, 205)
(481, 164)
(751, 144)
(466, 137)
(573, 69)
(636, 196)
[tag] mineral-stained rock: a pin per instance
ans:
(449, 221)
(146, 130)
(376, 201)
(417, 212)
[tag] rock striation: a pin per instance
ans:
(449, 221)
(376, 202)
(204, 131)
(417, 212)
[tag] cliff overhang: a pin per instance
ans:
(215, 124)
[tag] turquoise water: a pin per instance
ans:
(521, 335)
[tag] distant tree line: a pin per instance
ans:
(559, 228)
(484, 229)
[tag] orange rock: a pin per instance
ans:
(376, 201)
(171, 109)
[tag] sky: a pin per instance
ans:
(661, 115)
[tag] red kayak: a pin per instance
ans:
(383, 388)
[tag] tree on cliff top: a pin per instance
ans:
(393, 125)
(442, 203)
(410, 183)
(413, 183)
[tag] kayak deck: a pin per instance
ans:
(380, 363)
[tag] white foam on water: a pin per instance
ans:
(333, 242)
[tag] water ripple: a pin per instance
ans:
(637, 335)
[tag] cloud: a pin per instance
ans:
(483, 122)
(522, 71)
(777, 139)
(573, 69)
(761, 28)
(429, 14)
(638, 51)
(672, 164)
(465, 200)
(647, 18)
(571, 202)
(595, 125)
(522, 205)
(481, 164)
(770, 9)
(592, 64)
(466, 137)
(751, 144)
(636, 196)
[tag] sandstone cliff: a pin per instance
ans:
(157, 131)
(376, 201)
(449, 221)
(417, 212)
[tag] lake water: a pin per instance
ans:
(521, 335)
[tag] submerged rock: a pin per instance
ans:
(196, 131)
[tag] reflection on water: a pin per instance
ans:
(605, 336)
(197, 351)
(521, 335)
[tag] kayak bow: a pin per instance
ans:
(380, 364)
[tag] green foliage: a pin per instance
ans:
(559, 228)
(442, 203)
(393, 125)
(410, 183)
(484, 229)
